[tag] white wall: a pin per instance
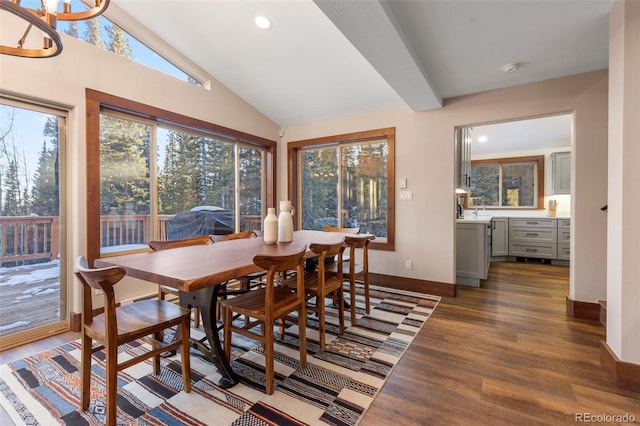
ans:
(62, 80)
(623, 284)
(425, 228)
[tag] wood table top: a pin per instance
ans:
(195, 267)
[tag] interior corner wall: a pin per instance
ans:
(623, 284)
(62, 81)
(425, 226)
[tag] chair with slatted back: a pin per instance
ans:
(321, 284)
(163, 291)
(265, 305)
(117, 325)
(246, 282)
(328, 228)
(353, 270)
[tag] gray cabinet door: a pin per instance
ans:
(561, 173)
(500, 237)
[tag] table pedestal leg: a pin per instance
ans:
(206, 300)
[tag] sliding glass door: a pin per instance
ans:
(33, 296)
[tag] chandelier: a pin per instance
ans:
(45, 19)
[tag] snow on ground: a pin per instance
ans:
(26, 274)
(14, 325)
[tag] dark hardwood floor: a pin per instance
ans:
(502, 354)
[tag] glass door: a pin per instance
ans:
(33, 297)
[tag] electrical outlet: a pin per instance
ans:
(97, 292)
(408, 264)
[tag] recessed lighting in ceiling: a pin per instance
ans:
(482, 139)
(263, 22)
(509, 68)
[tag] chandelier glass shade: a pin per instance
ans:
(44, 19)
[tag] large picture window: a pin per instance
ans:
(346, 181)
(508, 182)
(160, 173)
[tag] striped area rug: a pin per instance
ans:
(336, 387)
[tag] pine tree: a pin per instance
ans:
(46, 196)
(124, 165)
(92, 33)
(73, 29)
(118, 43)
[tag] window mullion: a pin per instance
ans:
(339, 209)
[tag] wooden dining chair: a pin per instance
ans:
(246, 282)
(265, 305)
(320, 285)
(328, 228)
(117, 325)
(353, 270)
(163, 291)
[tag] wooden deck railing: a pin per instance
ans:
(29, 237)
(25, 238)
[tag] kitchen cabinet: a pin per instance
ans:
(564, 239)
(536, 238)
(472, 252)
(500, 236)
(463, 158)
(561, 173)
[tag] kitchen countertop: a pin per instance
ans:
(486, 219)
(485, 216)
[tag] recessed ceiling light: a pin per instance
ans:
(263, 22)
(513, 67)
(482, 139)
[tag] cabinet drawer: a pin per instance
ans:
(542, 250)
(546, 235)
(564, 223)
(542, 223)
(564, 236)
(564, 252)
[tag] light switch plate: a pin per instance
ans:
(406, 194)
(402, 183)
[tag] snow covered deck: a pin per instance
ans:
(29, 296)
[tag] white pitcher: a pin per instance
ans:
(285, 222)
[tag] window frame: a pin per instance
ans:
(293, 167)
(65, 319)
(95, 101)
(539, 162)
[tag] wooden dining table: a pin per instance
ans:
(198, 272)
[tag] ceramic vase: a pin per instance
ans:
(270, 227)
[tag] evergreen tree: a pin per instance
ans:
(73, 29)
(92, 33)
(45, 188)
(118, 42)
(124, 165)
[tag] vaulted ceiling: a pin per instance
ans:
(324, 59)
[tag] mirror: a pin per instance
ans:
(512, 145)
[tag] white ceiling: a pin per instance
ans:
(544, 133)
(331, 58)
